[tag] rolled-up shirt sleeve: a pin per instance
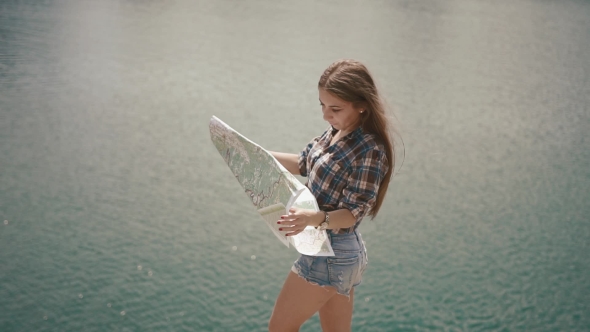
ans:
(360, 192)
(302, 162)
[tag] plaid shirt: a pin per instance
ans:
(345, 175)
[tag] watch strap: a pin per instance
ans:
(326, 222)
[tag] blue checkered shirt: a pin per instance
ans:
(345, 175)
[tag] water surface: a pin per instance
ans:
(119, 214)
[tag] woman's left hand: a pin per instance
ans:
(296, 221)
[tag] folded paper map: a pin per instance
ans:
(270, 187)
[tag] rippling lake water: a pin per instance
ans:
(118, 214)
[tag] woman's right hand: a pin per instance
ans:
(298, 219)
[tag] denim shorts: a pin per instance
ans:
(342, 271)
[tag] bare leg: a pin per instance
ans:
(297, 302)
(336, 314)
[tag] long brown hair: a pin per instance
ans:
(351, 81)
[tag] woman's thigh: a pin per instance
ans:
(336, 314)
(297, 302)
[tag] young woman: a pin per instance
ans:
(348, 168)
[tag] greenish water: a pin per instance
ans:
(119, 215)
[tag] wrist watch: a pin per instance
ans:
(326, 222)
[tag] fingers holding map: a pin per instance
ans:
(269, 186)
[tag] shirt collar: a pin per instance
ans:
(353, 134)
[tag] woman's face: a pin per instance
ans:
(341, 114)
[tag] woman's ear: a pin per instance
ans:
(361, 107)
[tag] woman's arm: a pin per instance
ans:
(289, 160)
(297, 219)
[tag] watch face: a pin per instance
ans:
(323, 226)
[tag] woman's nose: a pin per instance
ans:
(326, 114)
